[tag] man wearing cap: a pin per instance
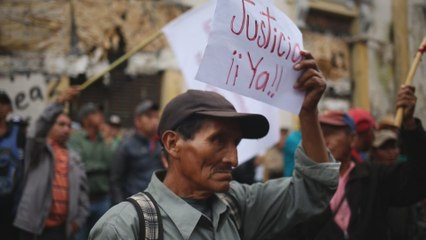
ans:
(385, 147)
(365, 126)
(96, 154)
(366, 191)
(200, 132)
(139, 155)
(112, 132)
(12, 141)
(401, 221)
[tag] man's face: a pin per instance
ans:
(339, 141)
(147, 123)
(387, 153)
(95, 119)
(60, 132)
(206, 161)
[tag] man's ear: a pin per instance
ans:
(170, 142)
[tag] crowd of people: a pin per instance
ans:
(57, 179)
(342, 175)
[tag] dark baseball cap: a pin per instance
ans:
(206, 103)
(144, 106)
(4, 98)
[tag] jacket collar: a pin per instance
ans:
(183, 215)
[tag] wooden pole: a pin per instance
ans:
(120, 60)
(409, 79)
(400, 33)
(361, 70)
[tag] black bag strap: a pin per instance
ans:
(158, 216)
(150, 222)
(140, 216)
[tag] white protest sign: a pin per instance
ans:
(188, 35)
(251, 50)
(27, 93)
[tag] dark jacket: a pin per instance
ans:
(132, 166)
(15, 136)
(371, 190)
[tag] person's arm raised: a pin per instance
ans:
(313, 83)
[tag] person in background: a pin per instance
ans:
(401, 221)
(261, 168)
(12, 144)
(365, 126)
(55, 202)
(96, 154)
(111, 131)
(273, 159)
(388, 123)
(290, 147)
(139, 155)
(250, 171)
(367, 190)
(385, 148)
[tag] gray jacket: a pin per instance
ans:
(34, 206)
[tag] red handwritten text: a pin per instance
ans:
(262, 31)
(260, 75)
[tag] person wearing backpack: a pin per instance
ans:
(12, 141)
(196, 199)
(55, 201)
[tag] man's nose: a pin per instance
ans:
(231, 156)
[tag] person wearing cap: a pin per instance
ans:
(359, 208)
(139, 155)
(111, 131)
(365, 126)
(385, 147)
(402, 221)
(55, 201)
(12, 144)
(96, 154)
(200, 132)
